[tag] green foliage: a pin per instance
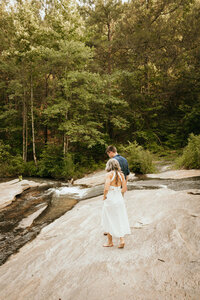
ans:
(9, 165)
(94, 73)
(16, 165)
(30, 169)
(191, 154)
(68, 168)
(51, 162)
(4, 152)
(82, 98)
(140, 160)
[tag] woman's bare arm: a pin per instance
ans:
(106, 186)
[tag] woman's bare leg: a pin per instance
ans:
(110, 242)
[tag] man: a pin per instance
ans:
(112, 153)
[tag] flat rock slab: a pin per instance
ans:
(92, 179)
(97, 178)
(161, 258)
(176, 174)
(9, 189)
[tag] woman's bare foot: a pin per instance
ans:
(110, 242)
(121, 243)
(108, 245)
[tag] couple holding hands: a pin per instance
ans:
(114, 215)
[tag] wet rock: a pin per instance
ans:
(23, 219)
(9, 189)
(161, 259)
(26, 222)
(194, 192)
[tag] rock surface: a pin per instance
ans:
(93, 179)
(161, 258)
(177, 174)
(9, 189)
(97, 178)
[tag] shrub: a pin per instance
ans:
(10, 165)
(54, 164)
(140, 160)
(51, 162)
(16, 166)
(68, 166)
(30, 169)
(191, 154)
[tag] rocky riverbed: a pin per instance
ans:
(161, 258)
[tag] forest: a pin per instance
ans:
(76, 76)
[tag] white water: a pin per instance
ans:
(76, 192)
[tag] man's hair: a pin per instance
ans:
(111, 149)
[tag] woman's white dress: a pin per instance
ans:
(114, 215)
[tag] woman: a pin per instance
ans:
(114, 215)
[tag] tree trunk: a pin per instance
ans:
(65, 140)
(147, 81)
(46, 95)
(24, 126)
(66, 144)
(32, 122)
(26, 122)
(109, 36)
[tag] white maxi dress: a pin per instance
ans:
(114, 215)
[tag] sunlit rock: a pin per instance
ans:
(67, 261)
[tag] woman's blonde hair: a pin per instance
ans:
(113, 165)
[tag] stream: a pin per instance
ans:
(23, 219)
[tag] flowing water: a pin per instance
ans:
(35, 208)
